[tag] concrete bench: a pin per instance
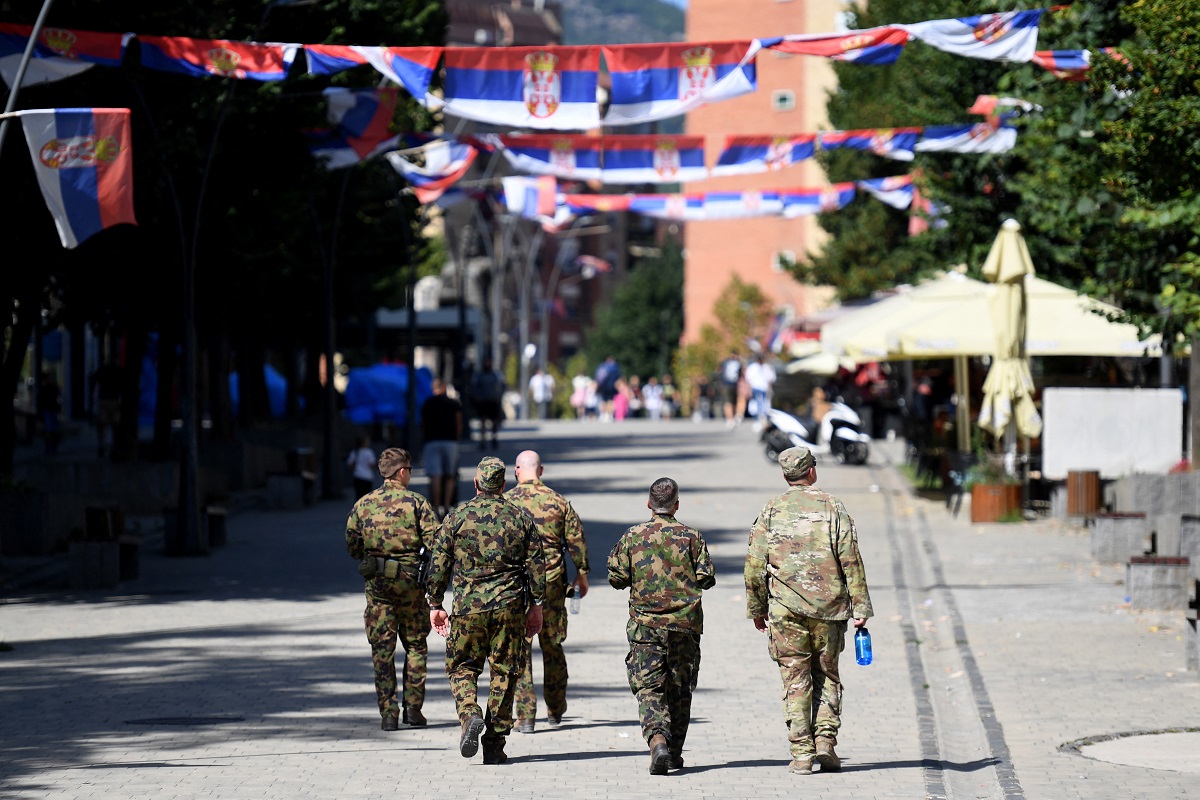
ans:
(1157, 582)
(1117, 537)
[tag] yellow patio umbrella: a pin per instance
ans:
(1008, 389)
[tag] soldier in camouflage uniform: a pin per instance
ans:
(665, 565)
(494, 551)
(804, 580)
(560, 528)
(385, 531)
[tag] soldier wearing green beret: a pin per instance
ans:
(386, 531)
(665, 565)
(804, 580)
(493, 549)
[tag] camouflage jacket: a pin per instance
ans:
(395, 523)
(493, 548)
(803, 554)
(558, 525)
(665, 565)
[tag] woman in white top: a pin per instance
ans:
(362, 462)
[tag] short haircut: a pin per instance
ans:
(392, 460)
(664, 493)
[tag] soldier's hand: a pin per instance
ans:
(761, 623)
(581, 584)
(440, 621)
(533, 621)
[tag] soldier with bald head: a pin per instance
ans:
(562, 534)
(804, 580)
(386, 531)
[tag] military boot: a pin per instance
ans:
(389, 722)
(801, 765)
(660, 754)
(826, 757)
(493, 753)
(468, 743)
(414, 718)
(676, 761)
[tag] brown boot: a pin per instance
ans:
(660, 754)
(389, 721)
(468, 743)
(801, 765)
(414, 718)
(826, 757)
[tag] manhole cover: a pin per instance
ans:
(183, 721)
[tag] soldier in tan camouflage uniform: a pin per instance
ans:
(559, 527)
(804, 580)
(494, 551)
(385, 531)
(665, 565)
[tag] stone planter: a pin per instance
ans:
(1118, 537)
(94, 565)
(1157, 582)
(23, 529)
(992, 502)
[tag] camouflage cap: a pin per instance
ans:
(490, 474)
(391, 460)
(796, 462)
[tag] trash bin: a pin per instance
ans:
(1083, 493)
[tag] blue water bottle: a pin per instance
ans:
(862, 646)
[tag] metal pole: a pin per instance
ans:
(525, 292)
(330, 490)
(25, 57)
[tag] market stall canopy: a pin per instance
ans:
(862, 335)
(1059, 322)
(820, 363)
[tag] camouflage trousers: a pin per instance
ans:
(554, 660)
(663, 666)
(807, 651)
(496, 638)
(406, 615)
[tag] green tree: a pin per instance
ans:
(642, 324)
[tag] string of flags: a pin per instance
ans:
(542, 88)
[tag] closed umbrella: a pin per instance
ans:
(1008, 389)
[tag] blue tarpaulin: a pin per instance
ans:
(379, 393)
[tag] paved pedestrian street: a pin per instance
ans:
(1007, 664)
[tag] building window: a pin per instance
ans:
(783, 100)
(782, 258)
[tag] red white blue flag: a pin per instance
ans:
(806, 202)
(59, 52)
(1009, 36)
(219, 57)
(978, 137)
(547, 88)
(657, 81)
(654, 159)
(1068, 65)
(896, 191)
(446, 161)
(894, 143)
(84, 165)
(568, 156)
(410, 67)
(746, 155)
(878, 46)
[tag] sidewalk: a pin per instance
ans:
(1000, 652)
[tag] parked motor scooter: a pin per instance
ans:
(839, 434)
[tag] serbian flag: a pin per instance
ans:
(530, 198)
(877, 46)
(896, 191)
(979, 137)
(547, 88)
(893, 143)
(806, 202)
(335, 151)
(657, 81)
(445, 163)
(746, 155)
(84, 164)
(59, 52)
(363, 116)
(680, 207)
(569, 156)
(1068, 65)
(582, 204)
(654, 159)
(410, 67)
(925, 214)
(742, 205)
(220, 57)
(1009, 36)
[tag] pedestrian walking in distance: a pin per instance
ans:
(804, 580)
(386, 531)
(665, 565)
(493, 550)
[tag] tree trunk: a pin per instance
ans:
(164, 396)
(125, 434)
(26, 313)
